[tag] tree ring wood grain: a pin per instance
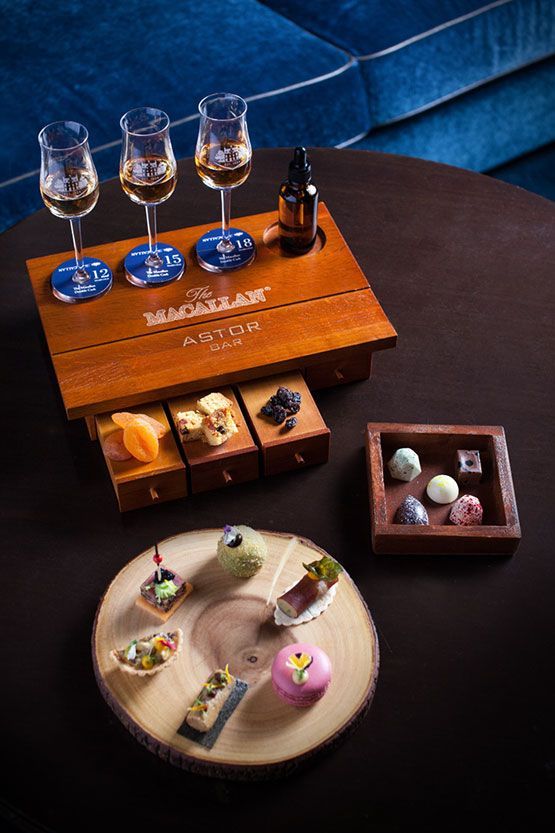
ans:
(228, 620)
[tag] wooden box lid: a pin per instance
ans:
(138, 345)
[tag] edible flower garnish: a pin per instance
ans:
(231, 537)
(326, 569)
(299, 663)
(198, 706)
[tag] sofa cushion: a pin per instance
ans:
(482, 129)
(90, 62)
(535, 172)
(415, 54)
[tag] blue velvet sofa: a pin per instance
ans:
(465, 82)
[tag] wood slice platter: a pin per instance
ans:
(230, 620)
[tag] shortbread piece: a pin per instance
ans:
(189, 424)
(219, 426)
(213, 402)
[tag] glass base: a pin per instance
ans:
(66, 289)
(139, 273)
(211, 259)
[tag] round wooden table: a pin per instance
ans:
(461, 727)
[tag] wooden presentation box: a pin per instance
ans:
(260, 447)
(308, 443)
(436, 446)
(141, 484)
(211, 467)
(315, 313)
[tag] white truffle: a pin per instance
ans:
(442, 489)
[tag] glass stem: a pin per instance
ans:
(226, 244)
(80, 275)
(153, 258)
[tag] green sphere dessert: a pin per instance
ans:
(242, 551)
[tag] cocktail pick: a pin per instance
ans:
(157, 558)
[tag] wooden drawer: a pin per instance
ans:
(212, 467)
(351, 366)
(139, 484)
(283, 450)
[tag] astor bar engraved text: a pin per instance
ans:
(201, 302)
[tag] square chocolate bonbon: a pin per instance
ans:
(469, 467)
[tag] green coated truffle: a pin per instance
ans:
(245, 553)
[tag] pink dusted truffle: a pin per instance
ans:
(301, 674)
(467, 511)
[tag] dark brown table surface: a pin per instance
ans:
(461, 728)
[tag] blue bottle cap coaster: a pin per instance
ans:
(139, 273)
(66, 289)
(210, 258)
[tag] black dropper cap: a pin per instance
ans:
(300, 171)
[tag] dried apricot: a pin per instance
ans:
(123, 418)
(139, 438)
(114, 448)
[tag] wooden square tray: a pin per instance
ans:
(436, 446)
(207, 330)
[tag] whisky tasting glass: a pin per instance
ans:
(148, 175)
(223, 162)
(69, 189)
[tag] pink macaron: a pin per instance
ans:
(301, 674)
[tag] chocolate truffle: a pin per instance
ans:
(411, 511)
(442, 489)
(469, 467)
(404, 465)
(467, 511)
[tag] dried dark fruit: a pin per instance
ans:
(279, 415)
(284, 395)
(282, 404)
(166, 575)
(290, 423)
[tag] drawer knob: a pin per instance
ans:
(227, 477)
(154, 494)
(338, 375)
(299, 458)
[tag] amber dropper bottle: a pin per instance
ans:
(298, 206)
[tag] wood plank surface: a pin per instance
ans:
(163, 365)
(264, 737)
(124, 311)
(127, 347)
